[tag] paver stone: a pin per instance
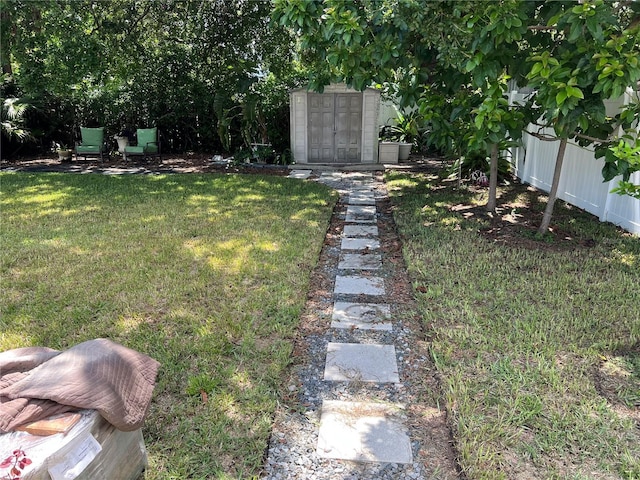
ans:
(359, 244)
(362, 199)
(363, 432)
(357, 362)
(361, 214)
(302, 174)
(360, 231)
(358, 285)
(366, 316)
(360, 261)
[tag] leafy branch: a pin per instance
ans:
(16, 462)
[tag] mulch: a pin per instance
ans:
(187, 163)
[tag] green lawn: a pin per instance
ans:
(205, 273)
(538, 349)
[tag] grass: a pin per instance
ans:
(538, 349)
(205, 273)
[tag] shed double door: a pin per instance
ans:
(335, 127)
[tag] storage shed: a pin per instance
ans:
(338, 126)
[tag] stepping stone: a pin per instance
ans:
(363, 432)
(362, 199)
(358, 177)
(357, 285)
(365, 316)
(357, 362)
(361, 214)
(360, 230)
(359, 261)
(363, 187)
(302, 174)
(360, 244)
(331, 175)
(362, 209)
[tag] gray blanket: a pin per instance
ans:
(37, 382)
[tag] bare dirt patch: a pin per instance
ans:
(518, 215)
(169, 163)
(617, 379)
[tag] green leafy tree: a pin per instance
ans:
(409, 43)
(365, 43)
(624, 157)
(446, 104)
(581, 55)
(495, 32)
(126, 63)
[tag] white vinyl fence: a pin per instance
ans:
(581, 182)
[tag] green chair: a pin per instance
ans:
(92, 143)
(148, 144)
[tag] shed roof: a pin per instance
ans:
(336, 88)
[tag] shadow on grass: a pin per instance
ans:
(205, 273)
(37, 190)
(517, 217)
(529, 336)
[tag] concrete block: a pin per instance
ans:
(358, 285)
(360, 231)
(360, 261)
(363, 432)
(365, 316)
(361, 214)
(360, 244)
(356, 362)
(301, 174)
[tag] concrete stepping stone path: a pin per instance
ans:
(368, 429)
(362, 431)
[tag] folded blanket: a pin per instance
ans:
(99, 374)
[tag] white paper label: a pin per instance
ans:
(76, 460)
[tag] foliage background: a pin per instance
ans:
(211, 74)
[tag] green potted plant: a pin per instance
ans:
(123, 139)
(405, 131)
(241, 156)
(64, 153)
(387, 146)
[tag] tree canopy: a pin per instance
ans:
(214, 74)
(574, 55)
(185, 66)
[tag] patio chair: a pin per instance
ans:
(92, 143)
(148, 144)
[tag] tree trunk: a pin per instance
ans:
(493, 179)
(548, 212)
